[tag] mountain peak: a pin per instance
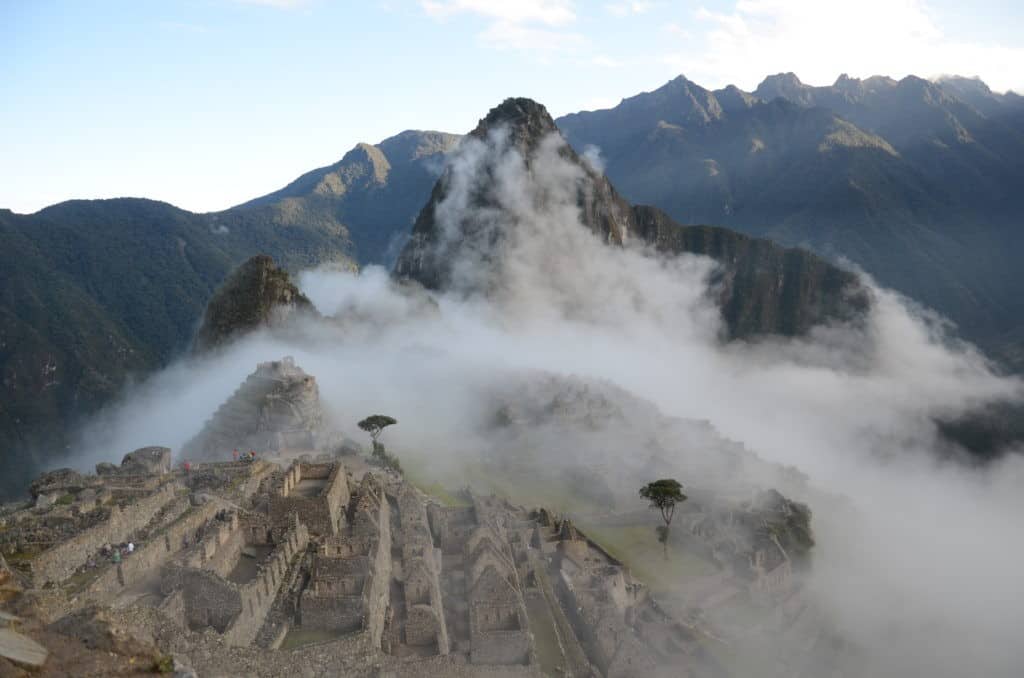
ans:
(682, 81)
(784, 85)
(256, 294)
(788, 79)
(731, 98)
(845, 83)
(413, 144)
(526, 120)
(959, 82)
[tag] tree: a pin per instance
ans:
(375, 423)
(664, 494)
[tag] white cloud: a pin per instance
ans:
(674, 29)
(627, 8)
(823, 38)
(279, 4)
(546, 12)
(917, 563)
(535, 25)
(513, 35)
(605, 61)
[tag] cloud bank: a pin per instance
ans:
(875, 37)
(917, 562)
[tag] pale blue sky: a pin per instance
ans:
(207, 103)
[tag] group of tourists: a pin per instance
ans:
(118, 551)
(248, 456)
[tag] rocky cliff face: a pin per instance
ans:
(257, 294)
(764, 288)
(900, 177)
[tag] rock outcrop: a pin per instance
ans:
(257, 294)
(276, 407)
(147, 461)
(762, 288)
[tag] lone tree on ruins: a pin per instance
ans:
(374, 425)
(664, 494)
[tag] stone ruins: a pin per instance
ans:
(313, 562)
(317, 559)
(276, 407)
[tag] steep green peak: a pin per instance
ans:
(256, 294)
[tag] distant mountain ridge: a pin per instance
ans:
(372, 193)
(917, 182)
(96, 293)
(765, 289)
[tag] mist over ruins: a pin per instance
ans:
(722, 380)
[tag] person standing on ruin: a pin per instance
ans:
(234, 455)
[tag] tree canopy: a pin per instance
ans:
(375, 423)
(664, 494)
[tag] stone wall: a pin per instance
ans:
(223, 547)
(259, 594)
(333, 613)
(322, 513)
(451, 526)
(321, 606)
(149, 556)
(501, 647)
(424, 627)
(60, 562)
(173, 606)
(236, 611)
(576, 657)
(209, 600)
(378, 594)
(425, 624)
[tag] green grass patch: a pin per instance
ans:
(439, 492)
(417, 476)
(638, 547)
(21, 556)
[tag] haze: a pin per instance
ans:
(917, 562)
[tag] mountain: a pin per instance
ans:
(765, 289)
(96, 293)
(93, 293)
(256, 294)
(916, 182)
(371, 195)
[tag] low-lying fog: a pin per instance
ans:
(925, 573)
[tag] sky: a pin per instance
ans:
(208, 103)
